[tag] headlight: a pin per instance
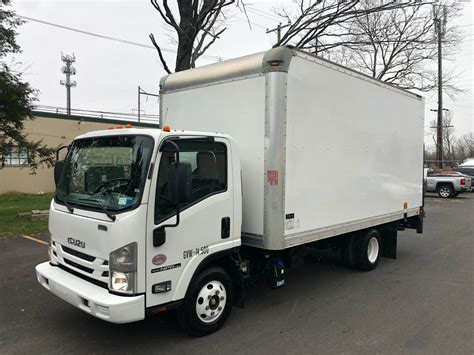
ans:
(123, 269)
(122, 281)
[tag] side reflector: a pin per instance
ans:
(166, 128)
(405, 205)
(161, 287)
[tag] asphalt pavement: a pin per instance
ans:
(422, 302)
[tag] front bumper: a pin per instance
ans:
(90, 298)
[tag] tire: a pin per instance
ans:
(202, 312)
(445, 191)
(367, 248)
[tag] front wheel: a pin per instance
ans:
(208, 302)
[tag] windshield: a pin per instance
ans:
(105, 172)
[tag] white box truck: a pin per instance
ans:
(258, 159)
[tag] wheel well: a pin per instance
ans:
(439, 184)
(225, 259)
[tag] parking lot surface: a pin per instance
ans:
(423, 302)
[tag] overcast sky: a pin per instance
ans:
(109, 72)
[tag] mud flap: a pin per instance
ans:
(389, 241)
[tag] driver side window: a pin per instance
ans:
(208, 161)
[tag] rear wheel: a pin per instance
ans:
(366, 250)
(208, 302)
(445, 191)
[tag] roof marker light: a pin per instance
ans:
(128, 125)
(166, 128)
(110, 127)
(119, 126)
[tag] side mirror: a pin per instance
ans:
(58, 170)
(179, 179)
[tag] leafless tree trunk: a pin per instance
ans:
(198, 24)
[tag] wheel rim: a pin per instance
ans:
(211, 301)
(444, 192)
(373, 249)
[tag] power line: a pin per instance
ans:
(248, 21)
(205, 56)
(262, 14)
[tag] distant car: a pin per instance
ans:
(447, 185)
(467, 170)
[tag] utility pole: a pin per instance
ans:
(68, 70)
(440, 29)
(278, 30)
(142, 92)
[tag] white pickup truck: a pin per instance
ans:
(447, 185)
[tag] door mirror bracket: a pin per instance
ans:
(179, 180)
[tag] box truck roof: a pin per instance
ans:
(275, 59)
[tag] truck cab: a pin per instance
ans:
(133, 221)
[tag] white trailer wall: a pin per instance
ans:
(354, 149)
(237, 108)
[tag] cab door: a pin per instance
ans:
(205, 218)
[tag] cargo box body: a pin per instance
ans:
(324, 150)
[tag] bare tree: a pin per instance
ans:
(390, 41)
(465, 147)
(449, 139)
(316, 21)
(399, 46)
(197, 23)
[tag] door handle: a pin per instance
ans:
(225, 227)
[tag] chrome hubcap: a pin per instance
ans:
(210, 302)
(444, 192)
(373, 249)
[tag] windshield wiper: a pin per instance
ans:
(68, 206)
(102, 207)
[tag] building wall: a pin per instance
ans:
(55, 132)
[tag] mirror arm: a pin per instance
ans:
(59, 149)
(176, 147)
